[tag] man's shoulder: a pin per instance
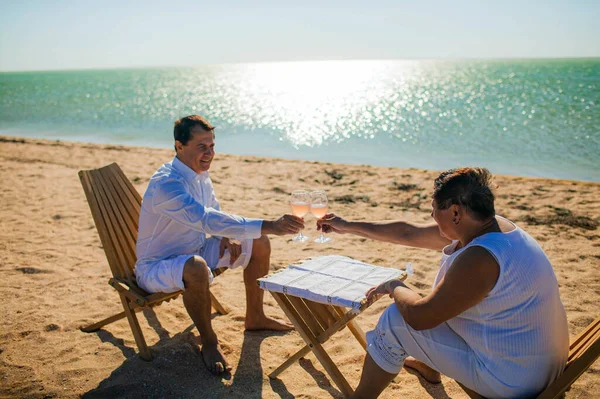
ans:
(476, 257)
(166, 179)
(166, 173)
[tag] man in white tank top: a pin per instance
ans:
(493, 321)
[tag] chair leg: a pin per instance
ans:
(96, 326)
(136, 330)
(220, 308)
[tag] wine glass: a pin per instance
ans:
(319, 207)
(300, 203)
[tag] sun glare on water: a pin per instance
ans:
(384, 112)
(307, 100)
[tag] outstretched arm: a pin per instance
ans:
(173, 200)
(398, 232)
(473, 275)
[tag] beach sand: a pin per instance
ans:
(55, 274)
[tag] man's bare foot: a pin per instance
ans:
(213, 359)
(267, 323)
(426, 372)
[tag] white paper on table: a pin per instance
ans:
(335, 280)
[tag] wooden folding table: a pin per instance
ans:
(321, 296)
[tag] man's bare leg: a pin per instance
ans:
(196, 299)
(373, 380)
(257, 268)
(431, 375)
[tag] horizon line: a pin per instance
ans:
(515, 58)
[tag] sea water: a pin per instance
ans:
(520, 117)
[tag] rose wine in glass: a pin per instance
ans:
(300, 204)
(319, 208)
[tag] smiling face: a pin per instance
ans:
(199, 151)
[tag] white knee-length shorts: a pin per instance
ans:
(167, 275)
(440, 348)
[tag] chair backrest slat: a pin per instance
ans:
(115, 206)
(584, 340)
(97, 211)
(135, 200)
(124, 233)
(110, 219)
(127, 209)
(124, 209)
(131, 204)
(584, 345)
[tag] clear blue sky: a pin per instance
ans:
(45, 34)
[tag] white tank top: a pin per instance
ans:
(519, 331)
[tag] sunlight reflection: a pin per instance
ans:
(307, 100)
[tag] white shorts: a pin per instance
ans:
(440, 348)
(167, 275)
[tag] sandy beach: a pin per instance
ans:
(55, 274)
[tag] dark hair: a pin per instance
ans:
(471, 188)
(181, 132)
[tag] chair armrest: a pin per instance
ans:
(123, 288)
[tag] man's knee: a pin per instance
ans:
(196, 272)
(261, 247)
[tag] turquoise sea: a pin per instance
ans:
(520, 117)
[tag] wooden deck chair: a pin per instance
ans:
(584, 350)
(115, 206)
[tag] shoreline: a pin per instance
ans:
(55, 273)
(84, 140)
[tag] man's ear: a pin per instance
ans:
(455, 210)
(178, 146)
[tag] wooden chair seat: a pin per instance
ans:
(115, 206)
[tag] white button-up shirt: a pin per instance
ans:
(179, 209)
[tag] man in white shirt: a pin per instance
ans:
(179, 210)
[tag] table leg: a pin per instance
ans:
(314, 344)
